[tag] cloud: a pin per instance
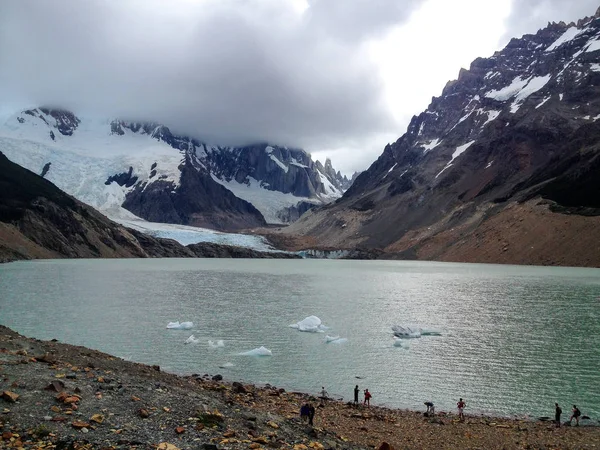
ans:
(528, 16)
(229, 71)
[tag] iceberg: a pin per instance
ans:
(216, 344)
(335, 340)
(406, 332)
(191, 340)
(398, 342)
(260, 351)
(430, 332)
(311, 324)
(180, 325)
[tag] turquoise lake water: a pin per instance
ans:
(514, 339)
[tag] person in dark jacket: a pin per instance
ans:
(305, 412)
(311, 413)
(557, 413)
(356, 395)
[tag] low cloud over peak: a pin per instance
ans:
(228, 71)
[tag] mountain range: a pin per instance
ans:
(503, 166)
(126, 168)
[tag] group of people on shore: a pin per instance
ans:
(307, 412)
(367, 397)
(575, 414)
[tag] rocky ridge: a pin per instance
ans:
(517, 127)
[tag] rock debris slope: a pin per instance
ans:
(518, 131)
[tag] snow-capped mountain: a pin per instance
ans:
(520, 125)
(125, 168)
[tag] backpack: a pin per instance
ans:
(577, 413)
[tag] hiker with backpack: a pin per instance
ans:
(575, 415)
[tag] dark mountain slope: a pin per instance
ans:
(39, 220)
(518, 126)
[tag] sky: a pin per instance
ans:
(339, 78)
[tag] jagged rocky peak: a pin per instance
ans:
(64, 121)
(155, 130)
(521, 123)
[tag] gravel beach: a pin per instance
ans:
(59, 396)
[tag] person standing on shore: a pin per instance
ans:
(324, 396)
(575, 415)
(367, 400)
(356, 395)
(557, 413)
(461, 407)
(311, 413)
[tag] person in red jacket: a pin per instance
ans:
(367, 398)
(461, 407)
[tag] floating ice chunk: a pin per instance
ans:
(406, 332)
(311, 324)
(335, 340)
(191, 340)
(180, 325)
(216, 344)
(260, 351)
(226, 365)
(400, 343)
(331, 338)
(430, 332)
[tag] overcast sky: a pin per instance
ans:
(340, 78)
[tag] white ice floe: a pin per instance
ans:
(311, 324)
(400, 343)
(180, 325)
(260, 351)
(335, 340)
(408, 332)
(226, 365)
(216, 344)
(192, 340)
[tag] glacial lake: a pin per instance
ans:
(514, 339)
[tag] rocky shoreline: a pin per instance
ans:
(59, 396)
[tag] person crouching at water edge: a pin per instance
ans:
(368, 396)
(430, 408)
